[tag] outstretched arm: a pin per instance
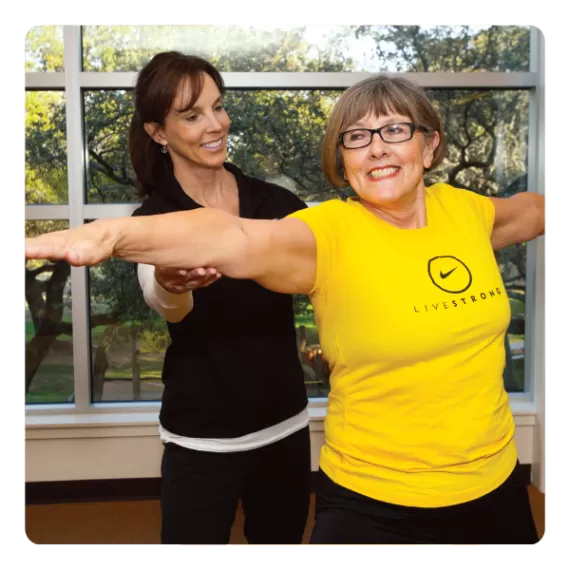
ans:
(518, 218)
(279, 254)
(169, 291)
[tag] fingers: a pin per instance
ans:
(54, 249)
(182, 280)
(43, 248)
(202, 277)
(202, 272)
(79, 246)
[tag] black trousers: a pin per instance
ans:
(500, 517)
(200, 491)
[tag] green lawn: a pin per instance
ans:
(52, 384)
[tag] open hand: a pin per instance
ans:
(88, 244)
(179, 281)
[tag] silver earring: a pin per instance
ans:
(164, 150)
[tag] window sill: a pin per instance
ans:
(108, 421)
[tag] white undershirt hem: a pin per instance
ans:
(247, 442)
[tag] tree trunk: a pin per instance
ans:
(46, 317)
(101, 363)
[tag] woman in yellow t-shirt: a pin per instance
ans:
(411, 312)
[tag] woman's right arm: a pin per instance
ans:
(171, 306)
(278, 254)
(169, 291)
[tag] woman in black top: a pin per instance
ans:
(234, 414)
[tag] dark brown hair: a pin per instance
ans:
(380, 95)
(154, 95)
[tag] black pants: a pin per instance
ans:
(200, 491)
(500, 517)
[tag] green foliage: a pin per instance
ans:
(44, 48)
(449, 48)
(110, 177)
(229, 48)
(277, 136)
(38, 227)
(114, 284)
(46, 148)
(487, 133)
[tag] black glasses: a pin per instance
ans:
(392, 133)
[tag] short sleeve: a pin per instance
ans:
(483, 207)
(323, 221)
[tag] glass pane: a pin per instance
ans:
(439, 48)
(512, 261)
(275, 135)
(110, 177)
(44, 48)
(46, 148)
(487, 139)
(315, 367)
(49, 349)
(314, 48)
(487, 135)
(127, 337)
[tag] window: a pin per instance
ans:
(278, 120)
(314, 48)
(128, 338)
(44, 48)
(49, 349)
(46, 148)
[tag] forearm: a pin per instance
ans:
(280, 255)
(531, 205)
(198, 238)
(518, 219)
(171, 306)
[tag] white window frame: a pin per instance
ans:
(528, 407)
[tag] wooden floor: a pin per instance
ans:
(138, 522)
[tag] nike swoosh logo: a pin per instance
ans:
(445, 275)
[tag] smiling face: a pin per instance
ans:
(388, 174)
(197, 135)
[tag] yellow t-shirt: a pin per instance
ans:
(412, 323)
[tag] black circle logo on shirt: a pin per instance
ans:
(449, 274)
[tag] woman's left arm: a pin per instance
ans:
(518, 218)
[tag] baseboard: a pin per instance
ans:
(92, 490)
(117, 489)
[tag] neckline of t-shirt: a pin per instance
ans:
(380, 223)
